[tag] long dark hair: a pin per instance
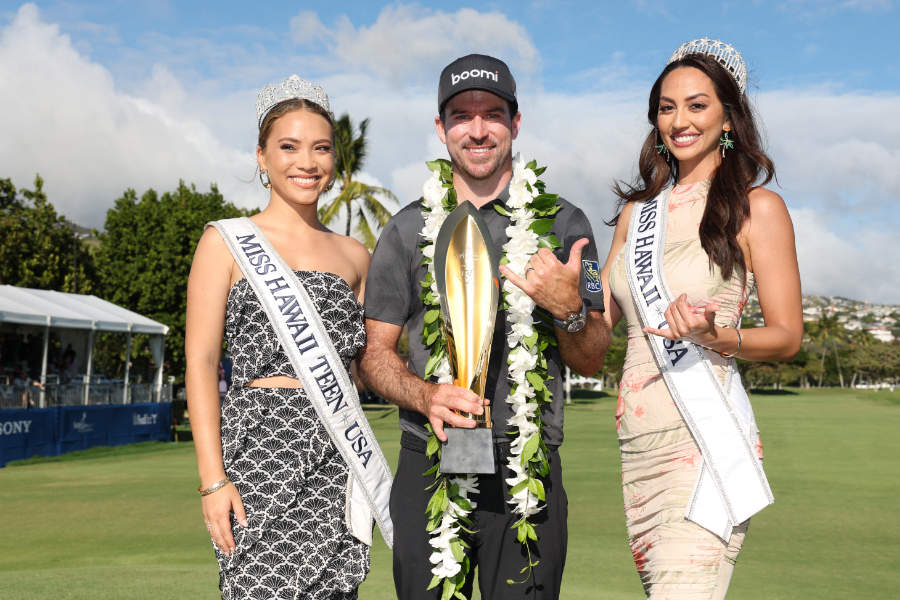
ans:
(744, 166)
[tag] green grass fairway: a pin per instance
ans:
(125, 523)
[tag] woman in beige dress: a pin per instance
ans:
(725, 234)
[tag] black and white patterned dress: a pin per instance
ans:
(291, 477)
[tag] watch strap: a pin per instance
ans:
(564, 323)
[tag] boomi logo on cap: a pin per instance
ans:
(473, 74)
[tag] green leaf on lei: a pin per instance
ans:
(521, 534)
(431, 365)
(518, 487)
(549, 241)
(433, 445)
(536, 487)
(541, 226)
(434, 583)
(544, 202)
(438, 164)
(449, 589)
(530, 448)
(536, 381)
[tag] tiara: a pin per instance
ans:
(725, 55)
(291, 88)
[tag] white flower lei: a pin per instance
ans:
(531, 217)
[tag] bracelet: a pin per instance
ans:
(736, 350)
(214, 487)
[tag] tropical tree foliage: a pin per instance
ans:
(145, 255)
(826, 335)
(360, 201)
(40, 248)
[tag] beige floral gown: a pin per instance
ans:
(675, 558)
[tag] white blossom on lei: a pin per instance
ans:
(445, 564)
(522, 244)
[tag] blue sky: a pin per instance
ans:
(110, 95)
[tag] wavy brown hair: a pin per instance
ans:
(744, 166)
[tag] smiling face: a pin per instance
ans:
(690, 120)
(299, 156)
(478, 132)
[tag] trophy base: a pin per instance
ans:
(468, 451)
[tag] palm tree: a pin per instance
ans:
(828, 331)
(357, 198)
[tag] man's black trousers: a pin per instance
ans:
(494, 548)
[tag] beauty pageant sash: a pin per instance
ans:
(731, 486)
(319, 367)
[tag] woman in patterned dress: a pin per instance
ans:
(276, 515)
(725, 232)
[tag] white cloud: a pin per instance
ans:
(835, 146)
(411, 44)
(863, 267)
(307, 28)
(70, 122)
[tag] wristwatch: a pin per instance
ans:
(575, 321)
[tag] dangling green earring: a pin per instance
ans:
(725, 142)
(661, 148)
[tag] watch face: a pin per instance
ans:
(576, 324)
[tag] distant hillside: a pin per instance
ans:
(881, 320)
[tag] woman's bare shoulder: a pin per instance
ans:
(765, 203)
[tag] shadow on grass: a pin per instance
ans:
(586, 397)
(771, 392)
(96, 452)
(378, 411)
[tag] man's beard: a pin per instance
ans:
(459, 165)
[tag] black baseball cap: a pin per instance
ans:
(477, 72)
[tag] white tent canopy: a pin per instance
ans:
(73, 311)
(52, 309)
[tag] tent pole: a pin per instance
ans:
(125, 389)
(159, 372)
(43, 398)
(89, 367)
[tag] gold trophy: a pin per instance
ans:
(468, 282)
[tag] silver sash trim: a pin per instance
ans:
(731, 486)
(319, 367)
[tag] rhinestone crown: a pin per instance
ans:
(725, 54)
(291, 88)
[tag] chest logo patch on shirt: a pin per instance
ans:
(591, 269)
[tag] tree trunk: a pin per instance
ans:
(349, 216)
(837, 361)
(822, 372)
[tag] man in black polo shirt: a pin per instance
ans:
(477, 120)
